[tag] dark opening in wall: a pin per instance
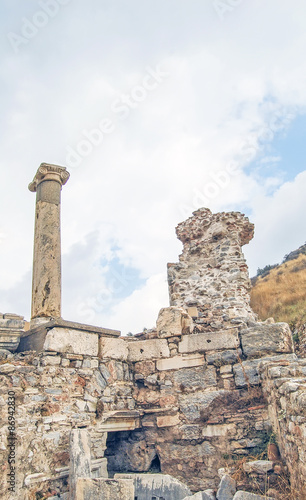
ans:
(155, 465)
(128, 451)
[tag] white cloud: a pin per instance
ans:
(232, 86)
(280, 223)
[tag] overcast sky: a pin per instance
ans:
(156, 108)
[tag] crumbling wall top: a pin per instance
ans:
(203, 225)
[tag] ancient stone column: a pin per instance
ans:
(46, 285)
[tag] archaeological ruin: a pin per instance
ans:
(182, 411)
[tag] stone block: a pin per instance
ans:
(168, 420)
(72, 341)
(251, 367)
(113, 348)
(259, 466)
(148, 349)
(223, 357)
(7, 368)
(202, 342)
(227, 488)
(193, 312)
(191, 405)
(202, 495)
(219, 430)
(180, 362)
(51, 361)
(196, 378)
(264, 339)
(190, 432)
(173, 321)
(157, 485)
(244, 495)
(108, 489)
(245, 373)
(225, 370)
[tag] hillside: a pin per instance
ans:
(280, 292)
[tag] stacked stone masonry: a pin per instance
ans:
(284, 387)
(212, 275)
(192, 395)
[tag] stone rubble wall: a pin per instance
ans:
(212, 274)
(55, 392)
(284, 386)
(199, 394)
(190, 394)
(185, 395)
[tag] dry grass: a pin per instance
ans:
(252, 484)
(282, 293)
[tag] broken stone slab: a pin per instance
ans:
(11, 329)
(202, 495)
(180, 361)
(106, 489)
(12, 316)
(9, 340)
(264, 339)
(250, 368)
(244, 495)
(173, 321)
(113, 348)
(98, 469)
(227, 488)
(139, 350)
(202, 342)
(123, 420)
(12, 322)
(148, 486)
(259, 466)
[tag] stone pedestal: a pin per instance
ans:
(58, 335)
(46, 286)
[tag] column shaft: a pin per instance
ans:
(46, 285)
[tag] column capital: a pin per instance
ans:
(49, 172)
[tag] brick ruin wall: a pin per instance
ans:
(205, 387)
